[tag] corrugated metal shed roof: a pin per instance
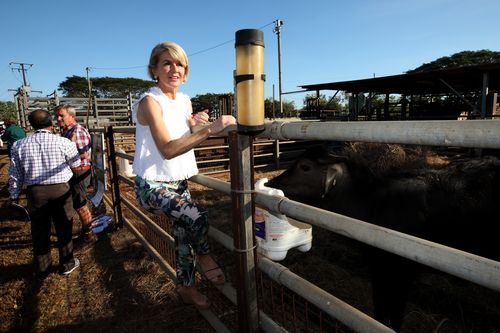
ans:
(462, 79)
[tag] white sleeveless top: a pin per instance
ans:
(148, 161)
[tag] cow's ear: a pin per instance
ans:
(333, 172)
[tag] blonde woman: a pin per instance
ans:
(164, 160)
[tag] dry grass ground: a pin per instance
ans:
(118, 288)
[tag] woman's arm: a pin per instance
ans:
(150, 114)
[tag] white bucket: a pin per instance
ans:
(275, 233)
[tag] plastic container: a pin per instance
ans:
(260, 223)
(276, 234)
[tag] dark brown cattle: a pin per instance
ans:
(453, 204)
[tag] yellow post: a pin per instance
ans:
(249, 79)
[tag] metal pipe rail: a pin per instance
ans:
(471, 134)
(310, 292)
(202, 162)
(267, 323)
(463, 133)
(480, 270)
(336, 308)
(207, 314)
(470, 267)
(474, 268)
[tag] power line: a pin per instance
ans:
(18, 79)
(117, 68)
(224, 43)
(211, 48)
(189, 55)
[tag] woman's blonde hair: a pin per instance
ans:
(176, 52)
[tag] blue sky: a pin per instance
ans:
(321, 41)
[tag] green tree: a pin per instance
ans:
(210, 101)
(77, 86)
(7, 110)
(269, 112)
(74, 86)
(464, 58)
(289, 109)
(119, 87)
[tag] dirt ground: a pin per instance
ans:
(119, 288)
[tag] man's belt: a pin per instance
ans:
(81, 168)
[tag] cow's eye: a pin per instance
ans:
(305, 167)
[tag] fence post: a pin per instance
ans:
(113, 176)
(56, 98)
(242, 195)
(96, 112)
(277, 153)
(129, 107)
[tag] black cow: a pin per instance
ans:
(451, 203)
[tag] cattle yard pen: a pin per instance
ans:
(91, 112)
(300, 306)
(97, 112)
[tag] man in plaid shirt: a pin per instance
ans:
(66, 117)
(43, 162)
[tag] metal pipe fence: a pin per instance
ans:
(302, 296)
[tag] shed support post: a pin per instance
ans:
(484, 95)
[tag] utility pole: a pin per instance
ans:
(23, 92)
(89, 105)
(277, 30)
(22, 69)
(21, 99)
(88, 69)
(274, 112)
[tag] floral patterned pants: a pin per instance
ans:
(189, 221)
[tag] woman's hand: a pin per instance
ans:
(199, 118)
(221, 123)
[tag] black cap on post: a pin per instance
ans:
(249, 36)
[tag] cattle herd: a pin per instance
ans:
(448, 197)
